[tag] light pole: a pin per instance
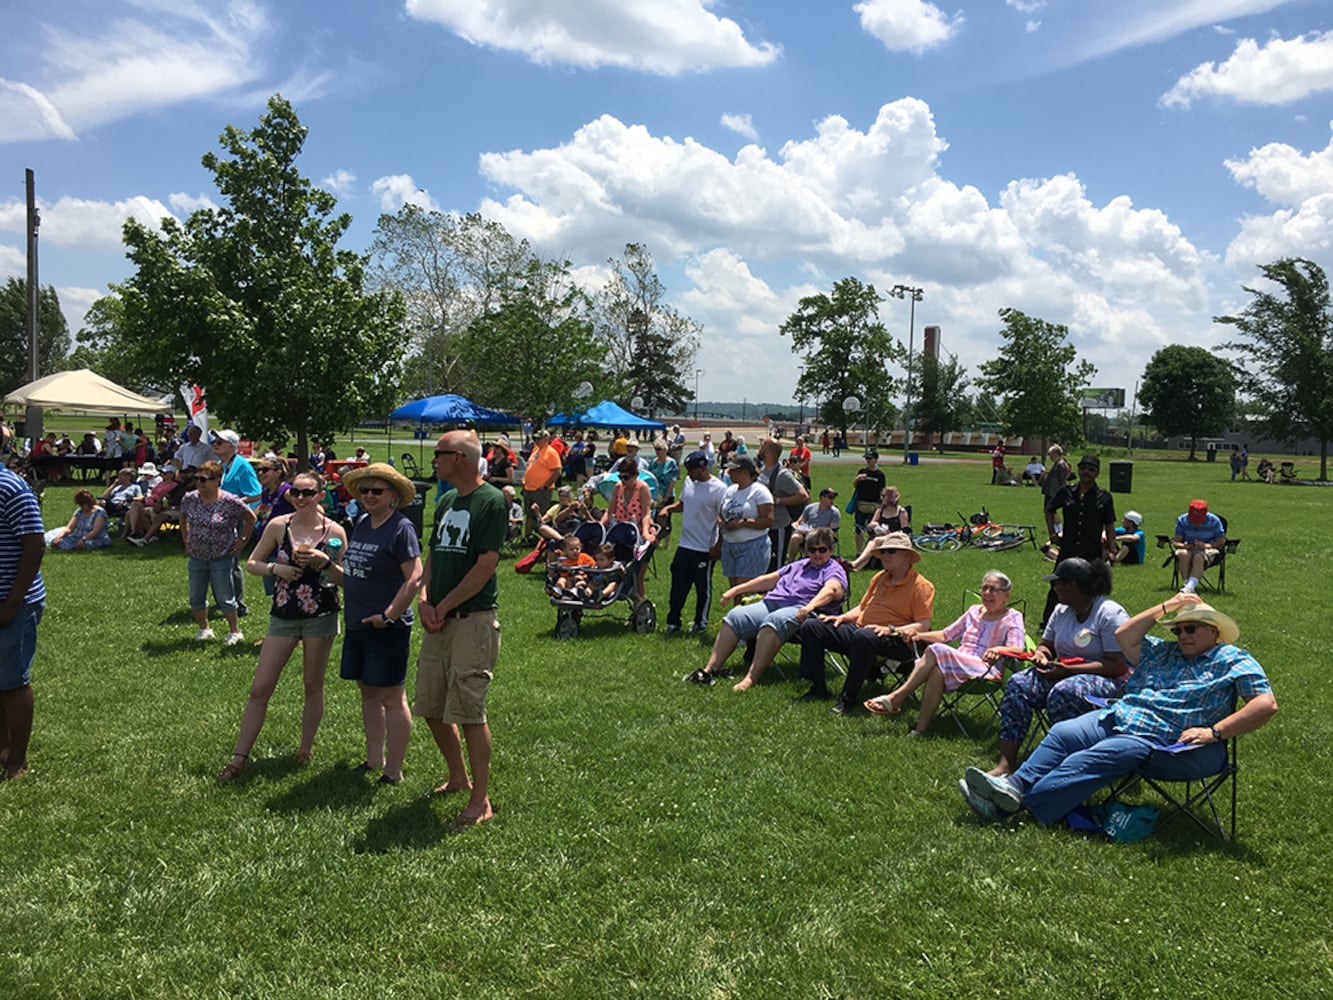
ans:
(913, 295)
(697, 373)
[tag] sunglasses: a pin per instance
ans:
(1176, 630)
(298, 492)
(206, 479)
(446, 451)
(812, 549)
(374, 491)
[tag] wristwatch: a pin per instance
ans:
(1216, 735)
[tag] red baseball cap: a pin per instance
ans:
(1198, 511)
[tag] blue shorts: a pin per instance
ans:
(377, 657)
(18, 645)
(745, 559)
(748, 619)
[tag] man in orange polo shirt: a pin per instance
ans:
(897, 595)
(542, 474)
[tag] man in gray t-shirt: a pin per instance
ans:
(789, 494)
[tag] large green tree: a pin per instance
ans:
(449, 270)
(1287, 352)
(844, 347)
(1189, 391)
(254, 300)
(651, 345)
(1037, 379)
(940, 388)
(52, 334)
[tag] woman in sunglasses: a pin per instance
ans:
(302, 552)
(1078, 656)
(215, 525)
(1178, 710)
(381, 576)
(631, 503)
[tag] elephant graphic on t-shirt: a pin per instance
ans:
(455, 529)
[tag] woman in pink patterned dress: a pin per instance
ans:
(982, 632)
(303, 552)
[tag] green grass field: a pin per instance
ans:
(652, 838)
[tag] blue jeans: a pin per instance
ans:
(18, 646)
(216, 572)
(1081, 755)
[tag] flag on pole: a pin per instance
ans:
(196, 407)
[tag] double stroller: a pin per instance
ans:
(632, 555)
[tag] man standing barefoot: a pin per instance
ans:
(22, 597)
(458, 611)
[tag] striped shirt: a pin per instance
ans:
(19, 515)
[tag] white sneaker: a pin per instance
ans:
(204, 634)
(136, 541)
(233, 638)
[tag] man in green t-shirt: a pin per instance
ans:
(457, 609)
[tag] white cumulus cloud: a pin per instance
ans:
(83, 223)
(187, 203)
(656, 36)
(1279, 72)
(741, 125)
(1301, 186)
(339, 182)
(907, 25)
(396, 190)
(27, 113)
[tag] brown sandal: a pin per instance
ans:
(233, 769)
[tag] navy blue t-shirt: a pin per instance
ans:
(373, 568)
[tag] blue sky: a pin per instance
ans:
(1120, 167)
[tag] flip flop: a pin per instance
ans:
(882, 705)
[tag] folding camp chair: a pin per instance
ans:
(979, 693)
(1166, 542)
(1197, 798)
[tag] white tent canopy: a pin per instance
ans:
(86, 391)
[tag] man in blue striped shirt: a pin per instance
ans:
(1178, 710)
(22, 597)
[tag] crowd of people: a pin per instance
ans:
(750, 510)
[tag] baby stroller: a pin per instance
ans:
(642, 615)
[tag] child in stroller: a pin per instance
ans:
(603, 586)
(565, 574)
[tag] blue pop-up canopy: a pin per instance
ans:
(606, 414)
(451, 409)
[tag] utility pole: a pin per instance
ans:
(913, 295)
(32, 427)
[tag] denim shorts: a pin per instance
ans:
(216, 572)
(377, 657)
(748, 619)
(18, 645)
(747, 559)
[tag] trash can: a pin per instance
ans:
(1212, 452)
(413, 512)
(913, 458)
(1122, 477)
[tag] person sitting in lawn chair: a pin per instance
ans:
(1176, 715)
(1200, 540)
(791, 595)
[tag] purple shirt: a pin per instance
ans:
(798, 582)
(214, 527)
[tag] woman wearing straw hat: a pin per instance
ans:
(1178, 711)
(303, 552)
(381, 575)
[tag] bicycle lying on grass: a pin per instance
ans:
(977, 531)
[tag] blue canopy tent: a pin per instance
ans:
(605, 414)
(450, 409)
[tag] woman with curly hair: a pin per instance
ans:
(303, 552)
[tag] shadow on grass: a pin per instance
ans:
(411, 826)
(339, 788)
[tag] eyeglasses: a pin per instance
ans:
(813, 549)
(1187, 629)
(206, 479)
(374, 491)
(988, 588)
(446, 451)
(298, 492)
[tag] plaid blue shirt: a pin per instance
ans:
(1169, 693)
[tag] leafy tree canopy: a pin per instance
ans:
(1036, 379)
(844, 347)
(940, 388)
(254, 301)
(1189, 391)
(52, 334)
(1286, 351)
